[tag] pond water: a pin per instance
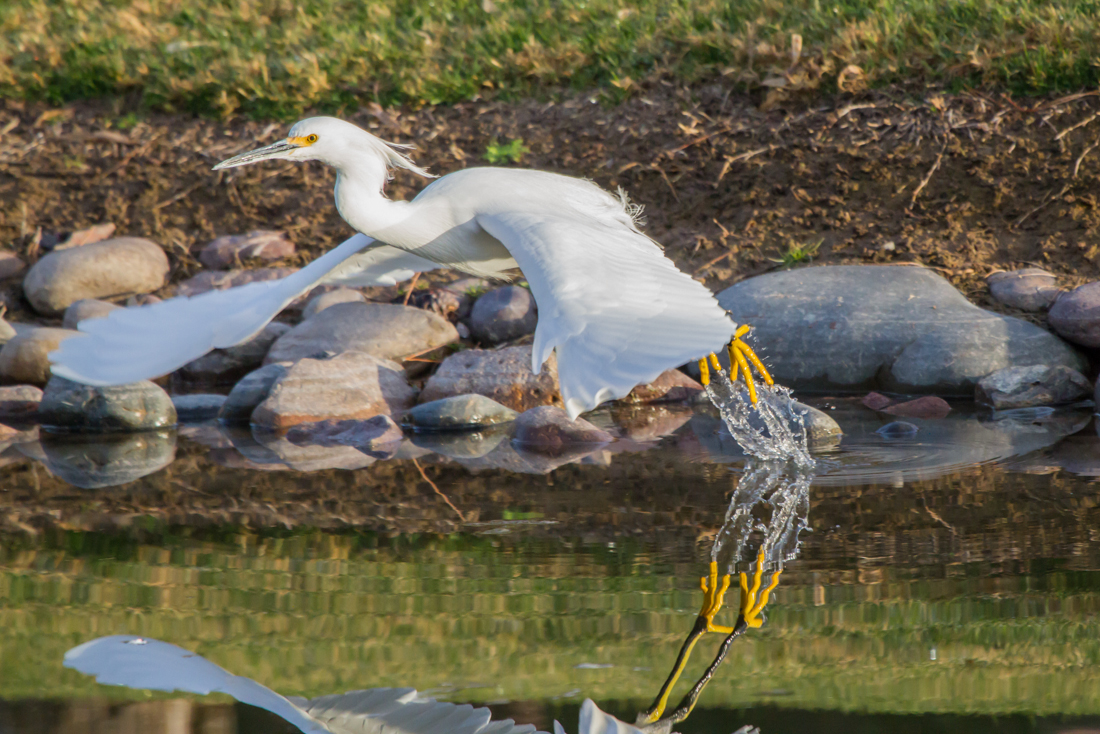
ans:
(946, 579)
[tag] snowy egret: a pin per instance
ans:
(617, 311)
(141, 662)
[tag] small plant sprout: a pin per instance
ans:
(502, 152)
(797, 254)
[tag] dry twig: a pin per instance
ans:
(437, 491)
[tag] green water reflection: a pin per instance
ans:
(494, 619)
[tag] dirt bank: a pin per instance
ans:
(964, 184)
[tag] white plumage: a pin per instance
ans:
(617, 311)
(140, 662)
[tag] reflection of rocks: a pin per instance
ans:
(462, 444)
(513, 458)
(348, 386)
(502, 374)
(929, 406)
(19, 401)
(649, 423)
(1024, 387)
(1078, 455)
(376, 436)
(900, 328)
(24, 358)
(137, 406)
(1028, 289)
(115, 267)
(384, 330)
(197, 408)
(458, 413)
(503, 314)
(548, 430)
(230, 363)
(308, 457)
(107, 461)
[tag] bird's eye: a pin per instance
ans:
(311, 139)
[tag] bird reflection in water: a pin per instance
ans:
(768, 511)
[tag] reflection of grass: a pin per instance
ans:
(313, 613)
(273, 57)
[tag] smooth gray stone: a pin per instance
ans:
(1076, 315)
(317, 304)
(894, 328)
(820, 426)
(137, 406)
(198, 408)
(86, 308)
(1025, 387)
(93, 461)
(382, 330)
(252, 390)
(1029, 289)
(7, 332)
(25, 357)
(503, 314)
(458, 413)
(223, 365)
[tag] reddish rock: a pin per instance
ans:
(81, 237)
(1076, 315)
(10, 264)
(502, 374)
(548, 430)
(219, 280)
(25, 358)
(260, 244)
(671, 386)
(1029, 289)
(348, 386)
(876, 401)
(19, 401)
(928, 406)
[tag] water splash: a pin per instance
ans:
(772, 430)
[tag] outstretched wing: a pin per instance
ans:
(594, 721)
(136, 662)
(143, 342)
(616, 309)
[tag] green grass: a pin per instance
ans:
(280, 57)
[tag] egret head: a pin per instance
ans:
(329, 140)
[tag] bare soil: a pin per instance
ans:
(965, 184)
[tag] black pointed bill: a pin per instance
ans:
(274, 150)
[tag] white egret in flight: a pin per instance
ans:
(617, 311)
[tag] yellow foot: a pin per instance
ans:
(751, 607)
(713, 594)
(741, 355)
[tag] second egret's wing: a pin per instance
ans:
(404, 711)
(594, 721)
(137, 662)
(616, 309)
(143, 342)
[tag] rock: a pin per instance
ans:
(466, 291)
(82, 237)
(91, 462)
(11, 264)
(374, 436)
(197, 408)
(645, 423)
(502, 374)
(19, 401)
(876, 401)
(259, 244)
(928, 406)
(1076, 316)
(820, 426)
(548, 430)
(138, 406)
(349, 386)
(117, 267)
(249, 392)
(671, 386)
(143, 299)
(898, 430)
(503, 314)
(458, 413)
(437, 300)
(226, 365)
(24, 358)
(219, 280)
(1029, 289)
(303, 458)
(317, 304)
(384, 330)
(1025, 387)
(7, 332)
(86, 308)
(898, 328)
(462, 444)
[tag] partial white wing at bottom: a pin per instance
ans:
(616, 309)
(594, 721)
(144, 342)
(136, 662)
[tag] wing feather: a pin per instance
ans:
(618, 312)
